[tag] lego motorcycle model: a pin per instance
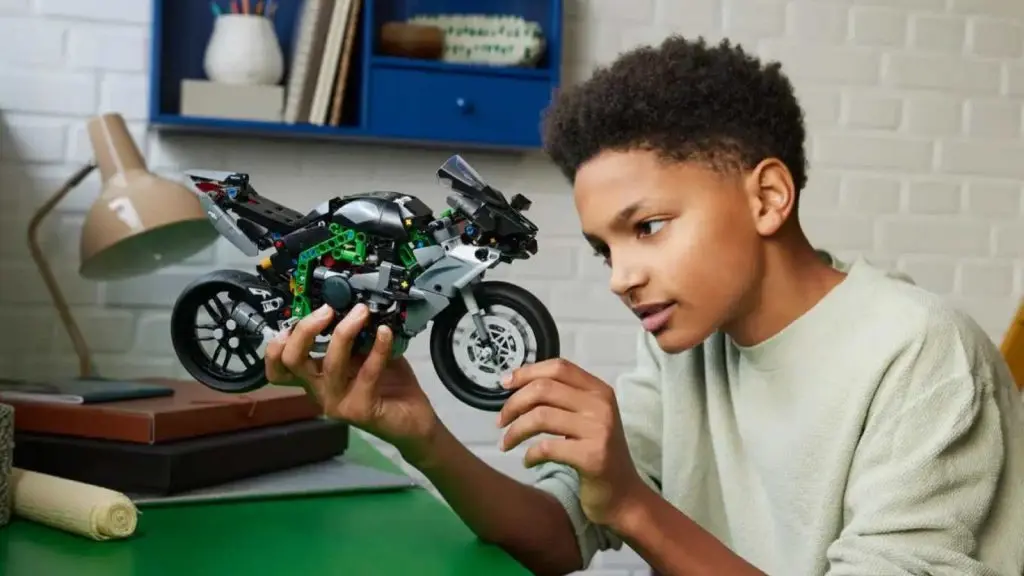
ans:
(384, 249)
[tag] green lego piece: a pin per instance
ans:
(344, 244)
(347, 245)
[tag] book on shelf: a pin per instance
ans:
(321, 59)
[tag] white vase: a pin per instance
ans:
(243, 49)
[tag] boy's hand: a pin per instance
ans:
(374, 393)
(557, 397)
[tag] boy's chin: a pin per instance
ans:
(675, 340)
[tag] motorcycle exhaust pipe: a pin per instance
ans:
(251, 321)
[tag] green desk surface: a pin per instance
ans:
(402, 533)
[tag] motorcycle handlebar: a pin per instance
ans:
(480, 216)
(472, 209)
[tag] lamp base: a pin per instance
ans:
(81, 390)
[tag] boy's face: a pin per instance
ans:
(684, 243)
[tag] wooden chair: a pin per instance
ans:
(1012, 347)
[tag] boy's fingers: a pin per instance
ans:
(562, 450)
(544, 420)
(295, 355)
(339, 351)
(374, 364)
(554, 369)
(315, 390)
(275, 369)
(542, 392)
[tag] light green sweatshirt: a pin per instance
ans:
(879, 434)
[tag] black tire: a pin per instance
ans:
(189, 349)
(488, 294)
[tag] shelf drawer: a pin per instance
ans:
(456, 107)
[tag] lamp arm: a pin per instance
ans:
(59, 302)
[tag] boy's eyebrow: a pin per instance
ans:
(627, 213)
(595, 243)
(621, 219)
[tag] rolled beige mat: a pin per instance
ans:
(72, 506)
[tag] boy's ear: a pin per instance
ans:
(772, 195)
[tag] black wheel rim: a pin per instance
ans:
(211, 340)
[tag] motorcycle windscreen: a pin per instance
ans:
(459, 175)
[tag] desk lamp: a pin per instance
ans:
(140, 223)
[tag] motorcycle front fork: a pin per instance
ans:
(477, 314)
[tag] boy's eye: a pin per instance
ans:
(650, 227)
(647, 228)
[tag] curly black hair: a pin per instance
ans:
(684, 100)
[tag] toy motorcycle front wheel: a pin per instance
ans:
(520, 328)
(209, 343)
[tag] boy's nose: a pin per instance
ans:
(624, 279)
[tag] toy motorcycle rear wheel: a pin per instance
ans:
(210, 345)
(518, 323)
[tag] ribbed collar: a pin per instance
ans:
(805, 334)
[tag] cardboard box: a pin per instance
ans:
(231, 101)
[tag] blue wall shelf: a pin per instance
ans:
(388, 99)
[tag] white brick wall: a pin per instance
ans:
(915, 140)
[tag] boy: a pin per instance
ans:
(788, 413)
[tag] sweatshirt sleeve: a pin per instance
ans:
(638, 396)
(926, 471)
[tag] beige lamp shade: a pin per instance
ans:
(140, 222)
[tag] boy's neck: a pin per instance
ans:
(795, 279)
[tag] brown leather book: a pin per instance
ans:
(194, 410)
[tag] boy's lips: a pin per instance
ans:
(654, 316)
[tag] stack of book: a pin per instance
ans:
(320, 61)
(162, 437)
